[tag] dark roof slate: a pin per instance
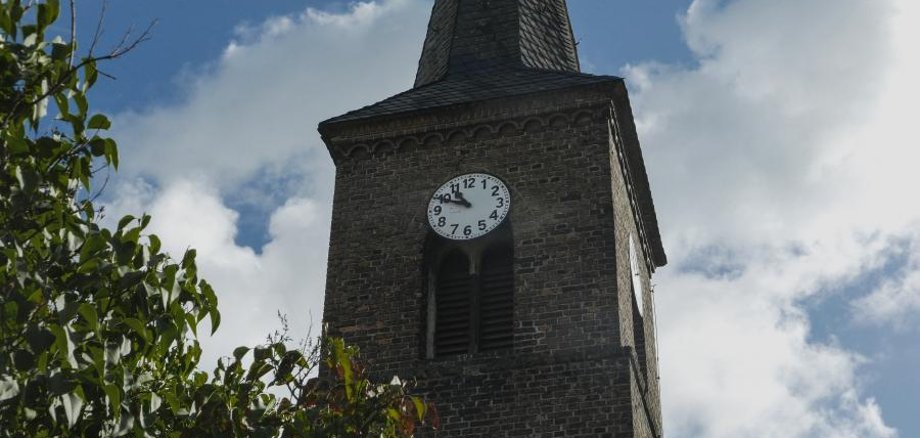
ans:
(458, 89)
(469, 36)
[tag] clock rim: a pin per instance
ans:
(497, 225)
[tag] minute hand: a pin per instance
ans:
(460, 200)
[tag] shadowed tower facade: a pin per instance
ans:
(494, 236)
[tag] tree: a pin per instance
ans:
(98, 327)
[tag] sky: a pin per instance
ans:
(780, 142)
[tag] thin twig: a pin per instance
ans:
(117, 52)
(122, 48)
(110, 76)
(97, 35)
(73, 31)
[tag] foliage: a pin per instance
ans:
(237, 403)
(98, 327)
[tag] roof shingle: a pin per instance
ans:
(457, 89)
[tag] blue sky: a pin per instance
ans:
(777, 134)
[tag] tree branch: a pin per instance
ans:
(73, 31)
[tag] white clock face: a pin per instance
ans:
(469, 206)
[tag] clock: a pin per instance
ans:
(469, 206)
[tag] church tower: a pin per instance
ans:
(493, 233)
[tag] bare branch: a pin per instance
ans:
(124, 46)
(120, 50)
(104, 184)
(110, 76)
(73, 31)
(97, 35)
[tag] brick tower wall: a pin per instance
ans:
(567, 374)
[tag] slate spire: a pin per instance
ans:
(471, 37)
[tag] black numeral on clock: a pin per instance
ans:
(442, 221)
(454, 228)
(494, 215)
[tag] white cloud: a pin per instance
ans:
(896, 301)
(259, 105)
(781, 171)
(247, 132)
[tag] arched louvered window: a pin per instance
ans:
(474, 311)
(496, 299)
(454, 288)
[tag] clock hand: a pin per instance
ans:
(447, 200)
(462, 201)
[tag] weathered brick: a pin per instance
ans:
(581, 364)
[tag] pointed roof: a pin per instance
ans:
(488, 49)
(480, 36)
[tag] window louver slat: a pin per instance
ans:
(452, 330)
(496, 301)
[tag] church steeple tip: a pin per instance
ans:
(469, 37)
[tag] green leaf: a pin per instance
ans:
(90, 74)
(258, 370)
(111, 153)
(88, 313)
(124, 221)
(27, 178)
(92, 245)
(171, 400)
(131, 279)
(262, 353)
(192, 323)
(138, 326)
(73, 407)
(97, 146)
(9, 388)
(24, 360)
(39, 338)
(420, 408)
(99, 121)
(82, 105)
(47, 13)
(155, 402)
(189, 258)
(155, 244)
(211, 307)
(239, 352)
(63, 104)
(113, 393)
(60, 52)
(6, 24)
(132, 236)
(63, 343)
(17, 145)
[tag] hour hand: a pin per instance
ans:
(448, 199)
(461, 200)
